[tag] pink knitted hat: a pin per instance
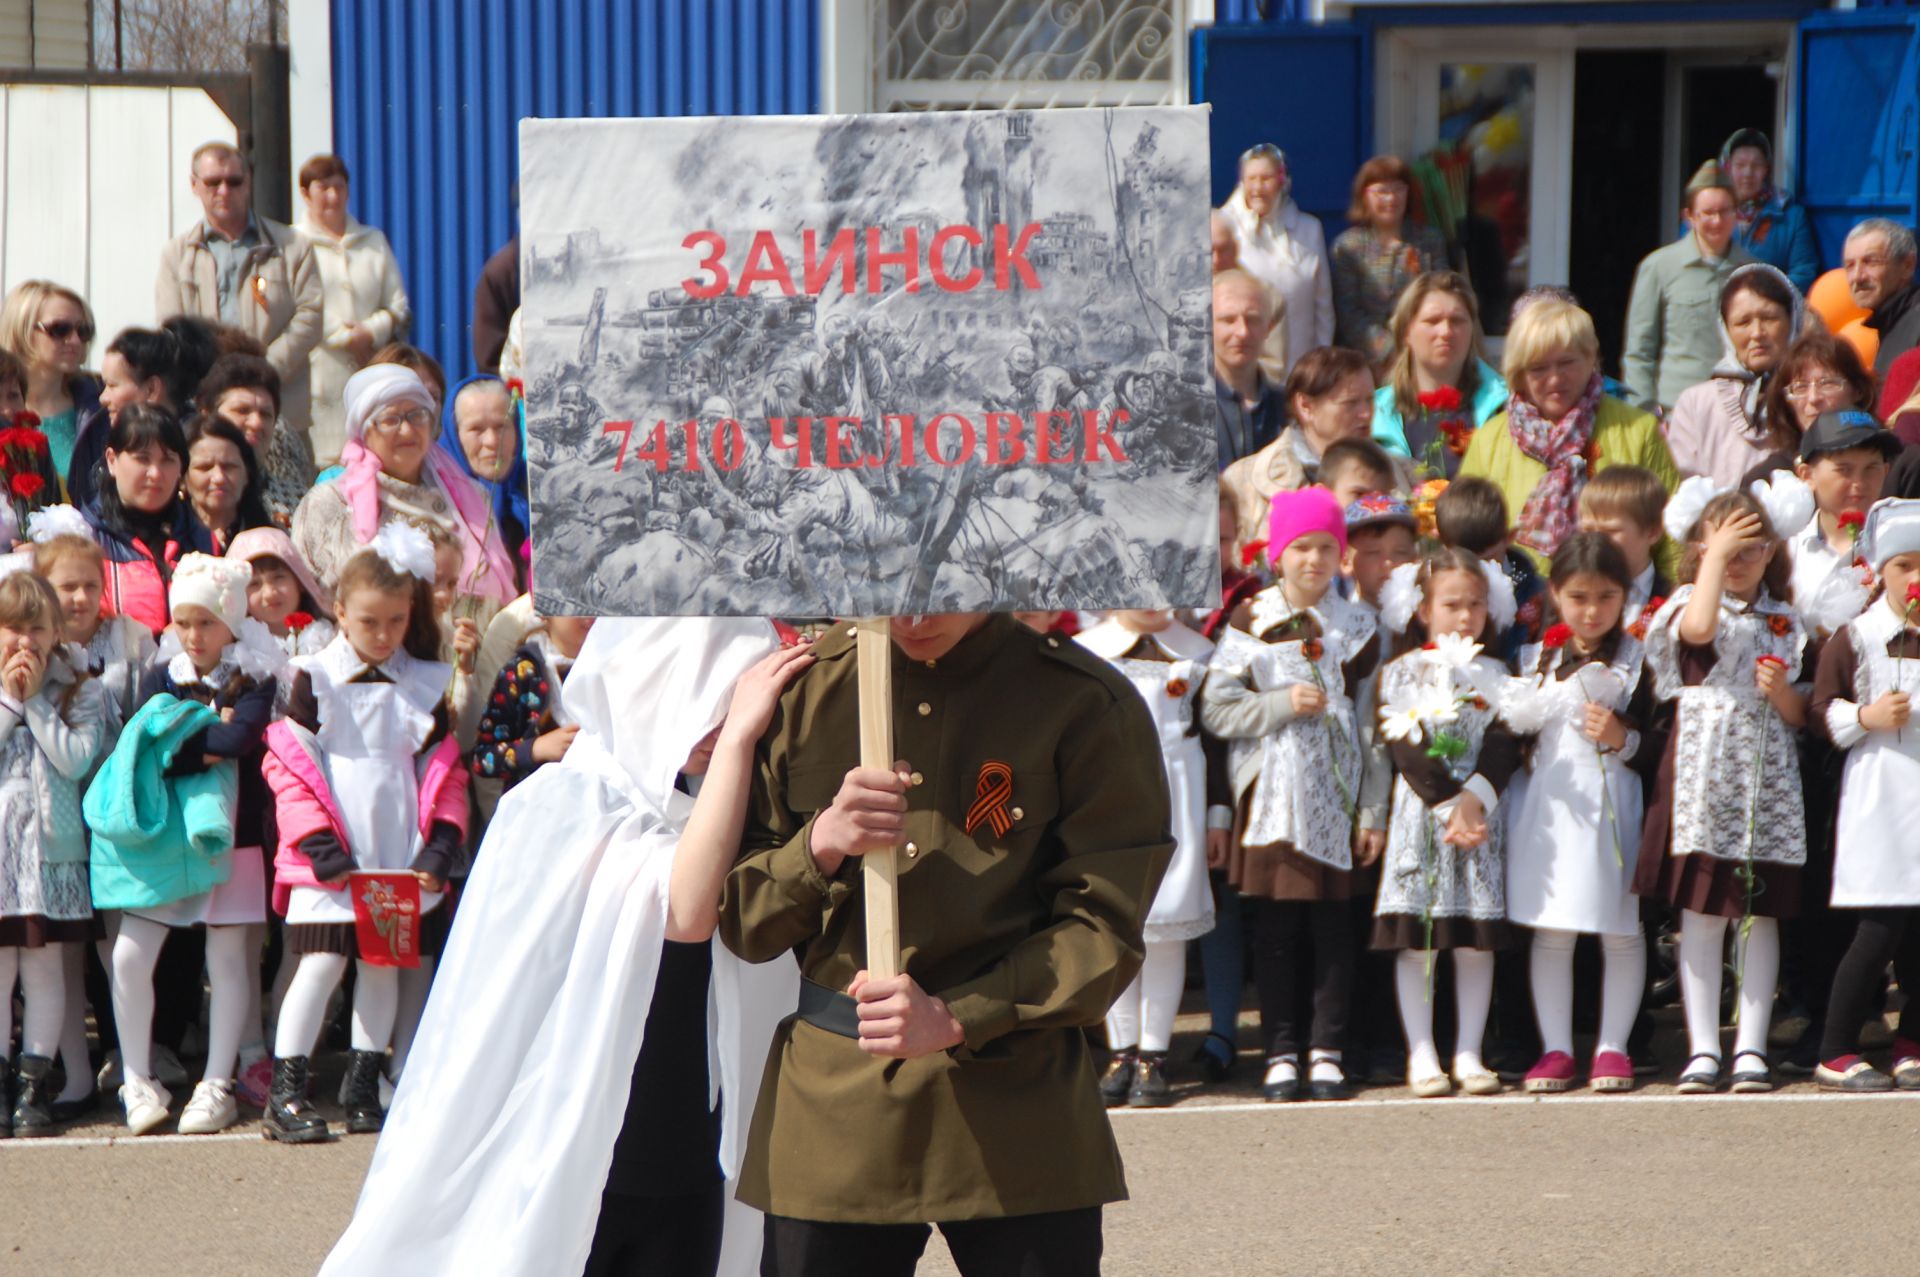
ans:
(1295, 514)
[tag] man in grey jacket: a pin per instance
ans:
(1879, 261)
(246, 271)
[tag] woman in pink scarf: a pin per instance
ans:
(393, 471)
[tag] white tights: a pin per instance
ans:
(1620, 984)
(1702, 948)
(1143, 1015)
(1472, 997)
(387, 1003)
(136, 950)
(73, 1029)
(43, 979)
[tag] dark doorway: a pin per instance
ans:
(1617, 217)
(1715, 102)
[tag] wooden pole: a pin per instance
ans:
(880, 872)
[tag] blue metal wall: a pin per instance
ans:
(428, 95)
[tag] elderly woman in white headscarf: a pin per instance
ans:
(393, 471)
(1286, 250)
(1719, 427)
(513, 1133)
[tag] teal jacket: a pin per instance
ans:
(160, 838)
(1390, 432)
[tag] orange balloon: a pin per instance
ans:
(1830, 300)
(1864, 340)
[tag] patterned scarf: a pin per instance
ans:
(1551, 513)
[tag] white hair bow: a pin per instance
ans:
(406, 550)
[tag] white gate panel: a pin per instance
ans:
(128, 150)
(47, 185)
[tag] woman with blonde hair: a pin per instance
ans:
(1439, 388)
(49, 329)
(1559, 428)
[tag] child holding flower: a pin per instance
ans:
(1725, 836)
(1585, 697)
(1281, 694)
(1442, 887)
(1863, 702)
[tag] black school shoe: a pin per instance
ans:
(1754, 1076)
(30, 1095)
(1215, 1062)
(1117, 1082)
(1280, 1090)
(1701, 1076)
(1150, 1089)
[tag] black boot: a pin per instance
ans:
(1117, 1082)
(361, 1093)
(30, 1093)
(290, 1116)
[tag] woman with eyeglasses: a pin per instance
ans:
(1285, 249)
(1819, 373)
(392, 470)
(50, 330)
(1376, 258)
(138, 516)
(1719, 427)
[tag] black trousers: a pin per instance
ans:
(658, 1236)
(1883, 936)
(1288, 935)
(1057, 1244)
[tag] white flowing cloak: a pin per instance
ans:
(497, 1148)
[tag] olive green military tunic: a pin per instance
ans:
(1028, 926)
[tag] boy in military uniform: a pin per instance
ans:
(1031, 818)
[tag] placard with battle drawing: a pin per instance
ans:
(869, 365)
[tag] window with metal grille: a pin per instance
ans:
(986, 54)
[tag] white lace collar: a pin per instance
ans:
(1111, 641)
(422, 683)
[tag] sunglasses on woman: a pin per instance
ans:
(63, 329)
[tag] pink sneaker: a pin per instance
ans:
(1611, 1071)
(1554, 1073)
(254, 1082)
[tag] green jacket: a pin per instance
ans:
(160, 838)
(1622, 436)
(1673, 320)
(1028, 925)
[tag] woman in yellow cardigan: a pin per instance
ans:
(1558, 428)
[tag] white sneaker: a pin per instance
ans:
(167, 1068)
(145, 1102)
(211, 1109)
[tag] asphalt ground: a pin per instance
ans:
(1653, 1182)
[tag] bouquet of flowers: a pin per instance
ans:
(23, 457)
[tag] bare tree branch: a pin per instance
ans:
(194, 37)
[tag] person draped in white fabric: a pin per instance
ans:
(506, 1135)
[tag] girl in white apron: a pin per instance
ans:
(373, 701)
(1281, 693)
(1166, 663)
(213, 653)
(1863, 694)
(1443, 882)
(1574, 830)
(1725, 838)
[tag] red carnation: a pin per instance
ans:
(1445, 399)
(26, 418)
(1458, 435)
(1913, 594)
(25, 486)
(1312, 649)
(1176, 687)
(297, 621)
(1251, 552)
(1780, 625)
(1851, 522)
(516, 387)
(1556, 636)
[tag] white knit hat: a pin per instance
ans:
(1892, 527)
(218, 585)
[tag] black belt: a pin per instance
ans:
(828, 1009)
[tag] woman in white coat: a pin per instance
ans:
(1286, 250)
(363, 302)
(511, 1123)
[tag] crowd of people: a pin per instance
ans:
(1580, 656)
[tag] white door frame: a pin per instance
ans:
(1406, 103)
